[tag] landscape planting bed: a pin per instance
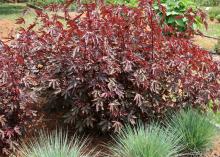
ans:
(109, 76)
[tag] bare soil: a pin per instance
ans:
(7, 27)
(205, 43)
(215, 151)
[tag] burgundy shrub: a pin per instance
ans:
(15, 107)
(113, 65)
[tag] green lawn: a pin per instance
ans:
(214, 27)
(213, 30)
(11, 11)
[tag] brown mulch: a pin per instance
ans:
(215, 151)
(205, 43)
(7, 27)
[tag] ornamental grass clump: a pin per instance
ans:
(195, 129)
(151, 141)
(56, 144)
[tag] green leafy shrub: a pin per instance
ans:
(151, 141)
(177, 14)
(54, 144)
(195, 129)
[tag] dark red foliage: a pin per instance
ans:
(15, 111)
(115, 66)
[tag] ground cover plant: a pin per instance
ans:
(55, 144)
(150, 141)
(195, 129)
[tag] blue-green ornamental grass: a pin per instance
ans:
(55, 144)
(195, 129)
(151, 141)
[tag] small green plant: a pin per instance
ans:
(55, 144)
(195, 129)
(151, 141)
(212, 17)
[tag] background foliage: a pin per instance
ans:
(207, 2)
(177, 12)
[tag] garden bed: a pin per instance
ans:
(115, 71)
